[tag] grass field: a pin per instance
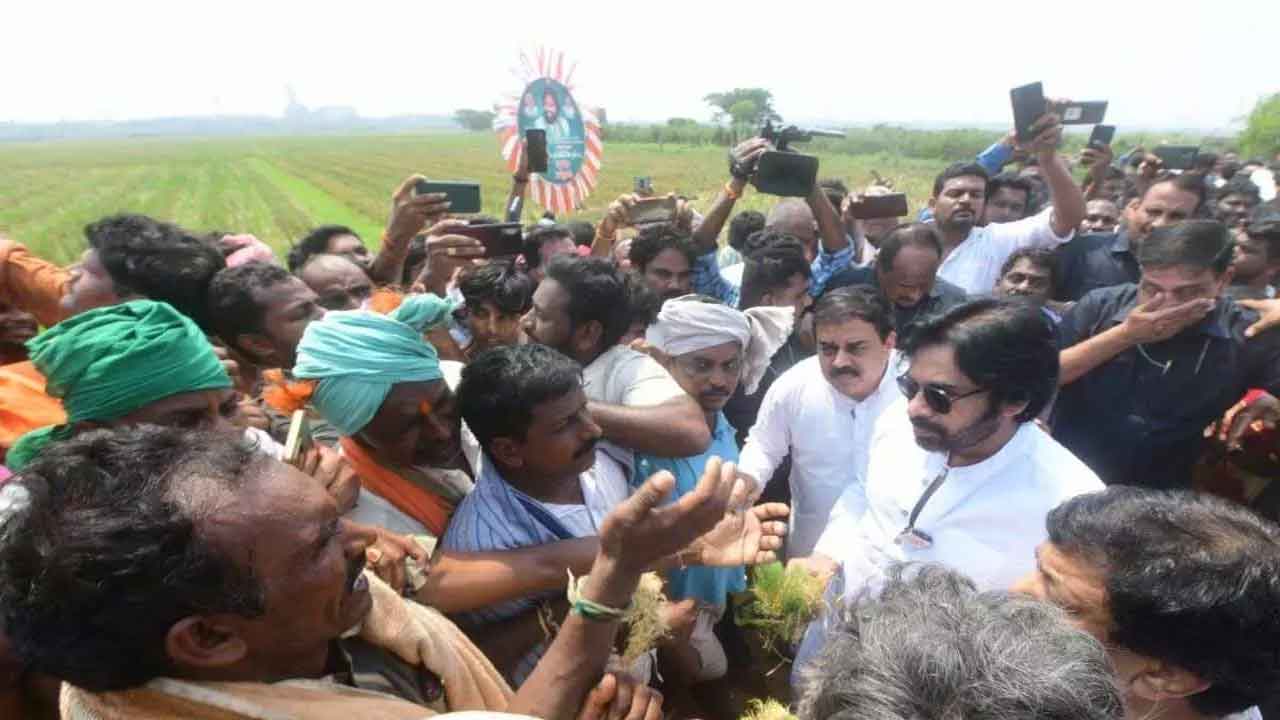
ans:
(279, 187)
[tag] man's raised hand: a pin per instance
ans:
(1152, 322)
(641, 531)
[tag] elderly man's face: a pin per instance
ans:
(417, 425)
(338, 283)
(310, 561)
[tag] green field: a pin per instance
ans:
(279, 187)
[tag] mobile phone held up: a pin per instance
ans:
(643, 187)
(1177, 157)
(535, 143)
(499, 240)
(872, 207)
(463, 197)
(652, 210)
(1028, 105)
(1084, 113)
(1101, 135)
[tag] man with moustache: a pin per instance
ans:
(1108, 259)
(822, 411)
(972, 255)
(960, 475)
(710, 348)
(546, 476)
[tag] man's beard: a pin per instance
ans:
(963, 225)
(942, 441)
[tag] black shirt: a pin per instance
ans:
(940, 299)
(1135, 422)
(1095, 261)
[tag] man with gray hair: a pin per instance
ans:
(931, 646)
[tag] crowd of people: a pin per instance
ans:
(1025, 441)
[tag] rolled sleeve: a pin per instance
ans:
(1035, 231)
(708, 281)
(993, 159)
(826, 265)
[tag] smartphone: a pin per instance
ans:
(1028, 105)
(464, 197)
(1101, 135)
(786, 174)
(652, 210)
(299, 439)
(535, 143)
(644, 186)
(1084, 113)
(872, 207)
(1177, 157)
(499, 240)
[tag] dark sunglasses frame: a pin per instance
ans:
(938, 399)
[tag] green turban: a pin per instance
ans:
(357, 355)
(110, 361)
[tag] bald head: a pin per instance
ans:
(339, 283)
(793, 217)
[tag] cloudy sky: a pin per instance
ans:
(1177, 63)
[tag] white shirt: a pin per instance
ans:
(604, 487)
(733, 274)
(985, 520)
(975, 264)
(622, 376)
(828, 435)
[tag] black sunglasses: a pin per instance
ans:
(938, 400)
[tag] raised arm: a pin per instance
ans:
(410, 214)
(615, 218)
(675, 428)
(834, 238)
(1068, 200)
(519, 188)
(742, 163)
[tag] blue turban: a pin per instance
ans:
(357, 355)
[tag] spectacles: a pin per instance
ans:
(939, 400)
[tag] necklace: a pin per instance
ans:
(1167, 364)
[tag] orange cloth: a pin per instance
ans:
(23, 403)
(418, 503)
(32, 284)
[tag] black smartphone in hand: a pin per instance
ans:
(1028, 105)
(463, 197)
(535, 143)
(1101, 135)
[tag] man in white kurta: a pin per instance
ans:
(985, 520)
(823, 411)
(959, 472)
(828, 435)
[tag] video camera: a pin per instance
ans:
(783, 137)
(782, 171)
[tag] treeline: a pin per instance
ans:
(947, 145)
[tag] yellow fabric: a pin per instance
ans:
(417, 634)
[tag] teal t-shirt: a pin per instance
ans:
(710, 585)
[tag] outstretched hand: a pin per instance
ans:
(745, 535)
(641, 531)
(1270, 315)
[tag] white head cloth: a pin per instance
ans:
(690, 323)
